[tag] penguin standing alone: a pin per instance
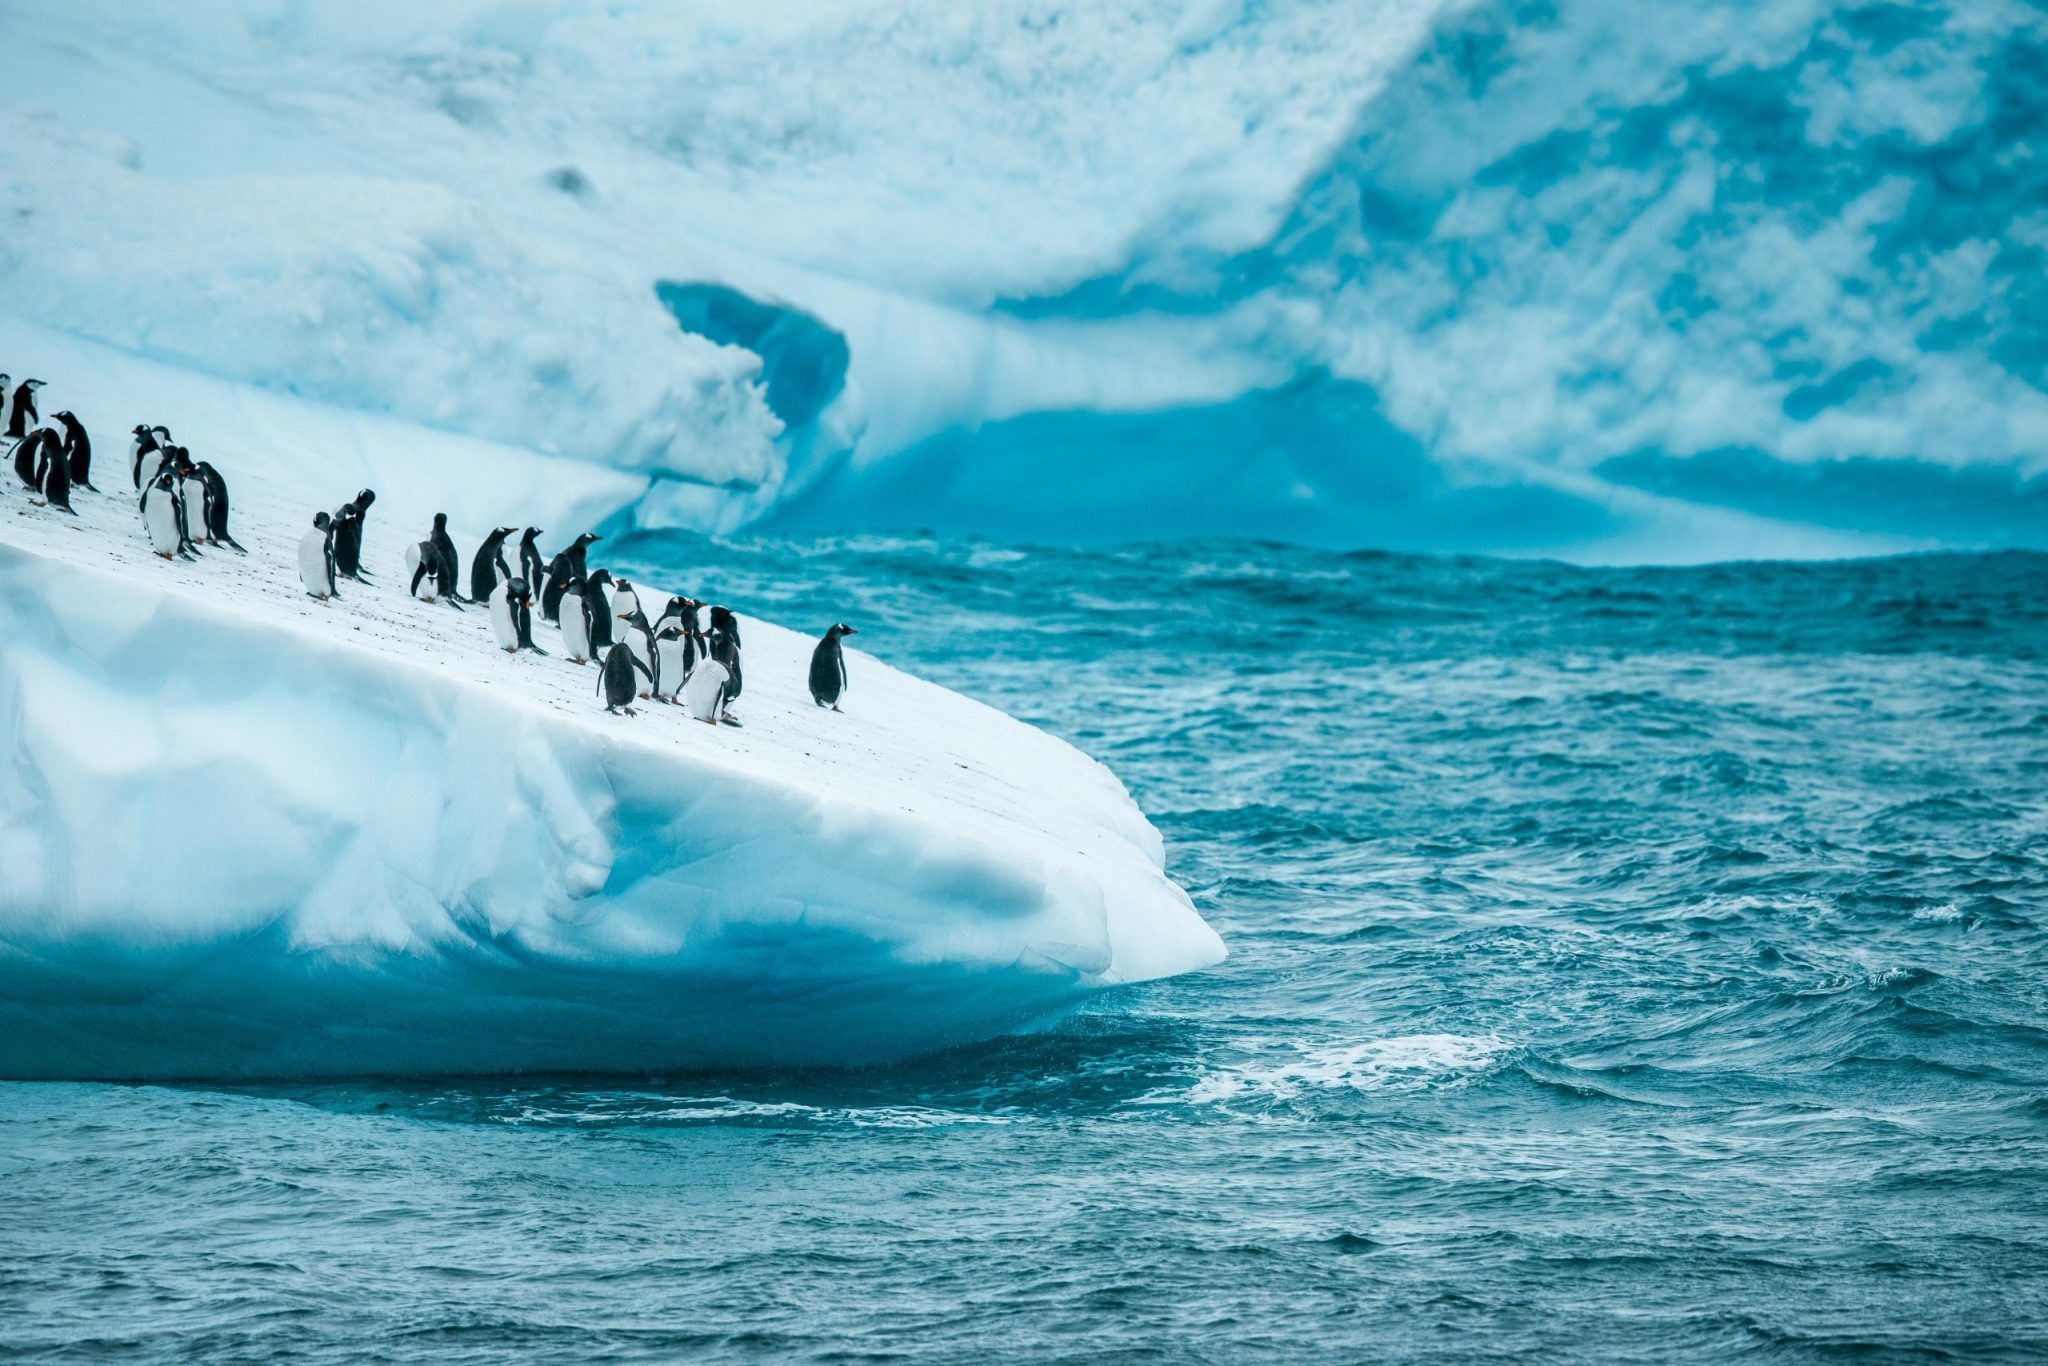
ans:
(316, 558)
(489, 567)
(828, 667)
(615, 679)
(77, 450)
(512, 617)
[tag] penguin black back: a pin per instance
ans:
(449, 573)
(616, 679)
(597, 597)
(77, 450)
(489, 564)
(217, 506)
(828, 667)
(53, 473)
(530, 567)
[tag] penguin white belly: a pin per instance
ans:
(313, 564)
(670, 655)
(703, 696)
(637, 642)
(425, 592)
(160, 519)
(195, 510)
(626, 603)
(502, 625)
(575, 628)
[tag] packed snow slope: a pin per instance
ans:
(1657, 280)
(246, 833)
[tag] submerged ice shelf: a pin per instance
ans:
(248, 834)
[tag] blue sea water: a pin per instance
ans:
(1626, 965)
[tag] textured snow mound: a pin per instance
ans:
(245, 833)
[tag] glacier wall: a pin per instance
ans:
(1607, 280)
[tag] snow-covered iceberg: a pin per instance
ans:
(245, 833)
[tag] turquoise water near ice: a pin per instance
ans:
(1626, 965)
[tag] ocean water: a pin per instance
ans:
(1626, 965)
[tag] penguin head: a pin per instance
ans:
(162, 435)
(440, 521)
(321, 520)
(31, 384)
(598, 579)
(140, 430)
(66, 416)
(669, 633)
(364, 499)
(515, 589)
(532, 533)
(636, 617)
(588, 538)
(842, 629)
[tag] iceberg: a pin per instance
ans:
(248, 834)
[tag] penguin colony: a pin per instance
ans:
(688, 656)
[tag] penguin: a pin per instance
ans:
(512, 617)
(828, 667)
(703, 692)
(214, 512)
(615, 679)
(316, 558)
(28, 458)
(725, 648)
(625, 601)
(669, 670)
(77, 450)
(53, 472)
(158, 455)
(639, 637)
(567, 564)
(21, 412)
(192, 495)
(161, 517)
(575, 623)
(143, 443)
(433, 573)
(489, 567)
(348, 537)
(530, 567)
(599, 604)
(444, 550)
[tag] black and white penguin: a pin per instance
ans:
(28, 458)
(567, 565)
(348, 535)
(192, 493)
(725, 648)
(143, 442)
(575, 623)
(669, 668)
(530, 567)
(828, 667)
(615, 681)
(639, 637)
(489, 567)
(53, 471)
(161, 516)
(444, 547)
(316, 558)
(77, 450)
(625, 601)
(214, 513)
(159, 455)
(431, 569)
(512, 616)
(598, 600)
(21, 409)
(703, 692)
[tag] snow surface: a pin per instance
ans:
(247, 833)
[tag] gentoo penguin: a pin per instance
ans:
(192, 495)
(567, 564)
(828, 667)
(489, 565)
(599, 603)
(348, 536)
(53, 471)
(530, 567)
(615, 679)
(21, 412)
(214, 514)
(725, 648)
(142, 445)
(161, 517)
(575, 623)
(669, 669)
(28, 458)
(625, 601)
(703, 694)
(158, 455)
(77, 450)
(512, 617)
(444, 548)
(639, 636)
(432, 571)
(316, 558)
